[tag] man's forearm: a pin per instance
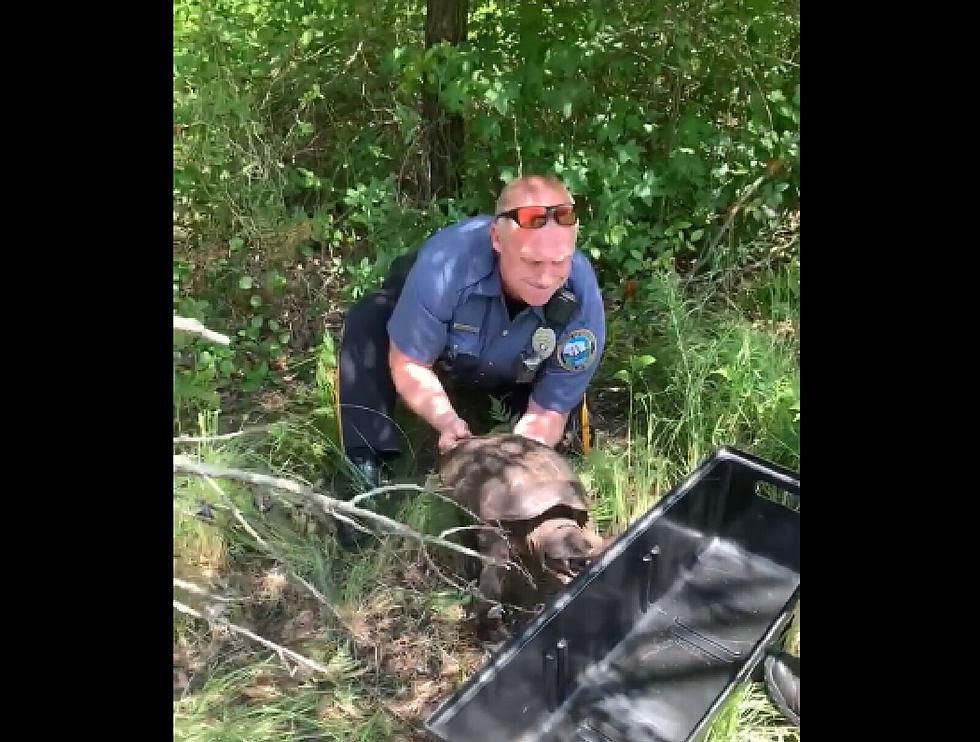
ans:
(422, 391)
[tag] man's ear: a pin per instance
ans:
(494, 236)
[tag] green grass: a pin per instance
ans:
(244, 703)
(749, 716)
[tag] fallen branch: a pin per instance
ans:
(277, 555)
(386, 488)
(330, 505)
(279, 650)
(457, 529)
(198, 590)
(223, 437)
(194, 327)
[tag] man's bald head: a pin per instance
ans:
(533, 190)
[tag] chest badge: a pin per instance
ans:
(578, 351)
(543, 342)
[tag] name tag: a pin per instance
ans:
(466, 328)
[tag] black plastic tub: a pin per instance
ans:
(647, 644)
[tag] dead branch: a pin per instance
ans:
(198, 590)
(450, 531)
(278, 556)
(194, 327)
(386, 488)
(279, 650)
(329, 505)
(224, 437)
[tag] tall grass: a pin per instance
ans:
(723, 373)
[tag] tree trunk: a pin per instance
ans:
(445, 20)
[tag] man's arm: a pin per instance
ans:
(420, 388)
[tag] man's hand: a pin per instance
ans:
(542, 424)
(453, 434)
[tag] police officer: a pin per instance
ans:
(503, 304)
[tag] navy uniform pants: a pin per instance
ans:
(367, 392)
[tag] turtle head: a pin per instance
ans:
(565, 548)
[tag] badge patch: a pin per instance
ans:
(578, 351)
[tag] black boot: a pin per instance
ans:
(363, 474)
(782, 673)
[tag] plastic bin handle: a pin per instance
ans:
(775, 474)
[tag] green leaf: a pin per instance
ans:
(273, 325)
(255, 301)
(283, 337)
(622, 375)
(644, 361)
(696, 235)
(257, 322)
(245, 283)
(236, 243)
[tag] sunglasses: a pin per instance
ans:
(535, 217)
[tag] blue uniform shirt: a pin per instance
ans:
(452, 309)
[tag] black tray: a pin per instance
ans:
(648, 642)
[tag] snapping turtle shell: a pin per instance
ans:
(508, 477)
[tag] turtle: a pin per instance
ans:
(535, 497)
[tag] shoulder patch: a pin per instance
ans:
(578, 350)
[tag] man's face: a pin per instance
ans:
(534, 263)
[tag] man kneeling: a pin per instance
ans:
(504, 304)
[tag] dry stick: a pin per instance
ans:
(224, 437)
(733, 211)
(197, 590)
(450, 531)
(196, 328)
(275, 553)
(281, 651)
(330, 505)
(385, 488)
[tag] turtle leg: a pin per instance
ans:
(489, 612)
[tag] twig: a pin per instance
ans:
(224, 437)
(329, 505)
(279, 650)
(450, 531)
(198, 590)
(733, 211)
(385, 488)
(196, 328)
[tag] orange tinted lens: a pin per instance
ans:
(532, 217)
(565, 215)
